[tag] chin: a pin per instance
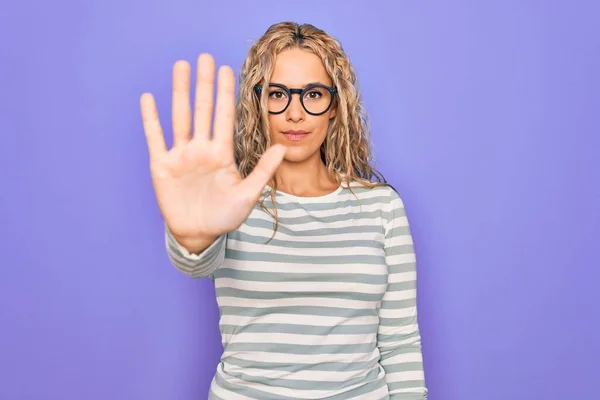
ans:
(297, 154)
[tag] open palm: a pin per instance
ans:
(198, 187)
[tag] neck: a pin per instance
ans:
(306, 178)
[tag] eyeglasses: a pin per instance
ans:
(315, 98)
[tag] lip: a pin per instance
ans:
(295, 135)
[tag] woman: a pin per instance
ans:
(310, 252)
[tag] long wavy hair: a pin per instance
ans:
(346, 151)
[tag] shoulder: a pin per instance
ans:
(383, 193)
(385, 200)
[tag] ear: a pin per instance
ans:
(333, 111)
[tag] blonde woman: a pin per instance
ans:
(277, 202)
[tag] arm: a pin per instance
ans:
(398, 338)
(199, 265)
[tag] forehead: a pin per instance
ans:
(297, 67)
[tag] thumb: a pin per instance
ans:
(256, 181)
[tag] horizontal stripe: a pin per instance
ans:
(293, 277)
(310, 367)
(299, 302)
(317, 320)
(223, 291)
(251, 311)
(301, 329)
(300, 338)
(300, 287)
(298, 360)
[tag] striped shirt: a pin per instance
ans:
(326, 309)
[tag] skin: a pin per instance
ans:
(302, 172)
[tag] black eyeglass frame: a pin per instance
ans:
(290, 91)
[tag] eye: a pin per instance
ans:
(314, 94)
(277, 95)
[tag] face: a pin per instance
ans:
(302, 133)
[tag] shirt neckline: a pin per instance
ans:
(308, 198)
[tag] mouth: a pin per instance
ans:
(295, 135)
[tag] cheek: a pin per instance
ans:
(277, 124)
(321, 127)
(320, 133)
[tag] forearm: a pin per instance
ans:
(403, 364)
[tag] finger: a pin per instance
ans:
(152, 128)
(256, 181)
(225, 110)
(204, 103)
(182, 117)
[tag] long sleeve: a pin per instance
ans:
(399, 339)
(195, 265)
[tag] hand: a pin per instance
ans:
(198, 187)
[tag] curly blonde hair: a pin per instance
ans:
(346, 151)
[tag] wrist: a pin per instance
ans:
(195, 244)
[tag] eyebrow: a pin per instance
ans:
(305, 85)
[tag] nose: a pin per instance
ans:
(295, 111)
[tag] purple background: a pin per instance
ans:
(484, 116)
